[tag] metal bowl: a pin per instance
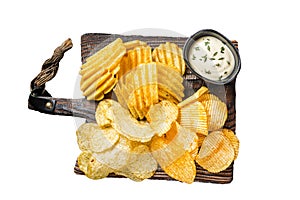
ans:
(227, 42)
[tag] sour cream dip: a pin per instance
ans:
(211, 58)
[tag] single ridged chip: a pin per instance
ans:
(216, 112)
(193, 116)
(171, 55)
(195, 97)
(111, 113)
(216, 152)
(161, 116)
(183, 169)
(134, 58)
(93, 138)
(233, 140)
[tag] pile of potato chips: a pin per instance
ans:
(149, 124)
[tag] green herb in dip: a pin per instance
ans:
(211, 58)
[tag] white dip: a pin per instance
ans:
(211, 58)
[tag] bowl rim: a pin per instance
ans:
(213, 33)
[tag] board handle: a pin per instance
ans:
(41, 100)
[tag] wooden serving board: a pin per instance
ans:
(92, 42)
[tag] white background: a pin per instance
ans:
(38, 151)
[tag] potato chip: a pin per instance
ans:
(193, 116)
(83, 160)
(216, 114)
(173, 145)
(195, 97)
(97, 170)
(141, 162)
(99, 73)
(137, 90)
(207, 96)
(164, 95)
(116, 157)
(91, 167)
(110, 112)
(170, 81)
(93, 138)
(134, 58)
(234, 141)
(161, 116)
(201, 138)
(103, 53)
(171, 55)
(141, 100)
(216, 152)
(183, 169)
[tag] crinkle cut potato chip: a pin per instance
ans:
(233, 140)
(193, 116)
(173, 145)
(216, 114)
(99, 73)
(161, 116)
(90, 137)
(171, 55)
(183, 169)
(134, 58)
(111, 113)
(216, 152)
(194, 98)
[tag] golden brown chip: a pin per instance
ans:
(195, 97)
(171, 55)
(173, 145)
(111, 113)
(233, 140)
(193, 116)
(137, 90)
(95, 139)
(201, 138)
(134, 58)
(216, 114)
(216, 152)
(83, 160)
(207, 96)
(97, 170)
(91, 167)
(161, 116)
(183, 169)
(164, 95)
